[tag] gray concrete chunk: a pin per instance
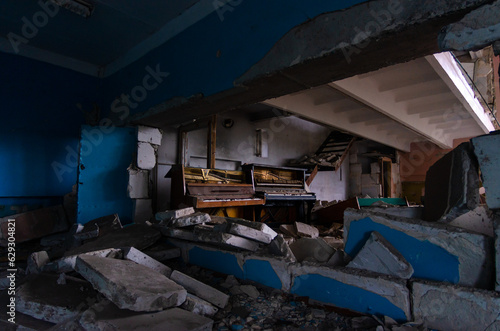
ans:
(304, 230)
(207, 234)
(199, 306)
(189, 220)
(67, 264)
(107, 316)
(130, 285)
(289, 230)
(278, 246)
(448, 307)
(36, 261)
(139, 257)
(178, 234)
(249, 233)
(171, 214)
(314, 250)
(378, 255)
(42, 298)
(200, 289)
(255, 225)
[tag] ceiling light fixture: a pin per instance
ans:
(80, 7)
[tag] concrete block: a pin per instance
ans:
(41, 297)
(305, 230)
(189, 220)
(163, 252)
(99, 227)
(178, 234)
(337, 243)
(199, 306)
(146, 156)
(200, 289)
(337, 259)
(107, 316)
(143, 210)
(452, 185)
(436, 251)
(399, 211)
(373, 191)
(130, 285)
(67, 264)
(35, 224)
(249, 233)
(353, 289)
(314, 250)
(486, 151)
(139, 236)
(138, 184)
(448, 307)
(132, 254)
(478, 220)
(378, 255)
(36, 261)
(262, 227)
(149, 135)
(268, 271)
(208, 235)
(370, 179)
(171, 214)
(279, 247)
(289, 230)
(355, 169)
(375, 168)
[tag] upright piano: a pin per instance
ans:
(211, 188)
(281, 187)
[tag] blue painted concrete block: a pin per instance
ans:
(216, 260)
(487, 150)
(262, 272)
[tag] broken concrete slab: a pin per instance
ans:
(207, 234)
(259, 226)
(250, 290)
(135, 255)
(486, 151)
(452, 185)
(400, 211)
(130, 285)
(139, 236)
(149, 135)
(278, 246)
(143, 210)
(178, 234)
(36, 261)
(289, 230)
(138, 184)
(248, 232)
(41, 297)
(107, 316)
(314, 250)
(172, 214)
(305, 230)
(378, 255)
(448, 307)
(67, 264)
(35, 224)
(98, 227)
(200, 289)
(478, 220)
(189, 220)
(336, 243)
(436, 251)
(269, 271)
(162, 252)
(337, 259)
(146, 156)
(353, 289)
(199, 306)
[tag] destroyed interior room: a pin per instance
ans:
(249, 165)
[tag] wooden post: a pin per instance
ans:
(211, 142)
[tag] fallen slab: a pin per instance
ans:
(248, 232)
(67, 264)
(34, 224)
(448, 307)
(36, 261)
(436, 251)
(162, 252)
(130, 285)
(479, 220)
(200, 289)
(358, 290)
(199, 306)
(262, 227)
(135, 255)
(139, 236)
(207, 234)
(41, 297)
(107, 316)
(181, 234)
(172, 214)
(486, 151)
(304, 230)
(313, 250)
(278, 246)
(452, 185)
(289, 230)
(189, 220)
(378, 255)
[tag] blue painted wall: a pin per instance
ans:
(39, 125)
(219, 261)
(428, 260)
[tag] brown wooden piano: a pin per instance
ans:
(282, 187)
(211, 188)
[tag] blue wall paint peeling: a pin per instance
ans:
(262, 272)
(428, 260)
(328, 290)
(218, 261)
(103, 177)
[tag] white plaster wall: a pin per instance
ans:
(331, 185)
